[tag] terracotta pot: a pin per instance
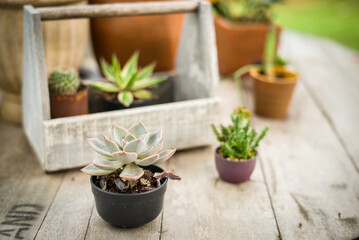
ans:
(69, 105)
(232, 171)
(156, 37)
(239, 44)
(64, 43)
(272, 95)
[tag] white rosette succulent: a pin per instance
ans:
(129, 149)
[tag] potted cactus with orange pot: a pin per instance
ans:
(68, 97)
(127, 186)
(126, 87)
(236, 156)
(274, 84)
(65, 44)
(241, 27)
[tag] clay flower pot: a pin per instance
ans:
(64, 42)
(239, 44)
(272, 95)
(233, 171)
(129, 210)
(155, 36)
(69, 105)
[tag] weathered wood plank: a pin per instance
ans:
(185, 124)
(117, 10)
(196, 65)
(330, 73)
(313, 185)
(36, 107)
(201, 206)
(25, 191)
(99, 229)
(71, 209)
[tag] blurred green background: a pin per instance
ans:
(334, 19)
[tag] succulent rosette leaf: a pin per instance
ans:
(129, 149)
(129, 83)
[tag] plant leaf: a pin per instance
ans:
(136, 145)
(148, 160)
(116, 66)
(130, 66)
(165, 155)
(153, 139)
(110, 145)
(99, 147)
(117, 134)
(120, 185)
(107, 71)
(144, 83)
(103, 163)
(131, 172)
(142, 94)
(106, 87)
(153, 149)
(131, 81)
(146, 71)
(138, 129)
(125, 157)
(125, 97)
(129, 137)
(91, 169)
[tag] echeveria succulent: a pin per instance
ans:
(128, 83)
(129, 149)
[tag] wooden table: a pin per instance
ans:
(306, 185)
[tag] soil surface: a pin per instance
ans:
(113, 183)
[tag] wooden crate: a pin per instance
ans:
(61, 143)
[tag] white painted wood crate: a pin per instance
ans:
(61, 143)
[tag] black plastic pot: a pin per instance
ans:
(130, 210)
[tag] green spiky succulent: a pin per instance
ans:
(127, 149)
(64, 81)
(238, 141)
(128, 83)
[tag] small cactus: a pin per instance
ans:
(64, 82)
(238, 141)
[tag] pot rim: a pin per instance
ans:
(82, 88)
(254, 73)
(239, 162)
(129, 194)
(225, 23)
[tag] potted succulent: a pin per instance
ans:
(68, 97)
(273, 82)
(236, 155)
(127, 186)
(128, 86)
(155, 36)
(241, 27)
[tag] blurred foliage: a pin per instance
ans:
(334, 19)
(249, 11)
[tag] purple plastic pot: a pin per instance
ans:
(234, 172)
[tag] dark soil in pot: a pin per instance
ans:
(129, 209)
(234, 171)
(163, 93)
